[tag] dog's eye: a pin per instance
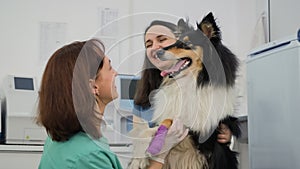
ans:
(186, 45)
(179, 44)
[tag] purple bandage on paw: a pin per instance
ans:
(158, 140)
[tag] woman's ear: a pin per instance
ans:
(93, 87)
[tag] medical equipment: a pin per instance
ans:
(273, 73)
(21, 104)
(126, 85)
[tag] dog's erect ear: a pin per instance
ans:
(209, 27)
(184, 26)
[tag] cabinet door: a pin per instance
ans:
(19, 159)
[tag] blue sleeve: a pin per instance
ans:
(144, 113)
(137, 110)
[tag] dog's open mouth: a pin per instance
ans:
(181, 65)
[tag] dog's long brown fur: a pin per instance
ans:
(185, 154)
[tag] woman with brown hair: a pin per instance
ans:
(77, 84)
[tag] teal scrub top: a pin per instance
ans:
(79, 152)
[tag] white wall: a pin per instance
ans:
(235, 18)
(21, 30)
(284, 18)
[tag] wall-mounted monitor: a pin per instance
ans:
(118, 113)
(23, 83)
(126, 85)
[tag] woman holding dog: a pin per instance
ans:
(160, 34)
(76, 86)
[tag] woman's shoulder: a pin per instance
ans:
(89, 143)
(97, 152)
(81, 151)
(80, 143)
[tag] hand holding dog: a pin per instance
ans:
(175, 135)
(225, 134)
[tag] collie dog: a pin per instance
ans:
(199, 90)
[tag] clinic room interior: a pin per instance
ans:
(264, 35)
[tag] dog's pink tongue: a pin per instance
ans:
(175, 68)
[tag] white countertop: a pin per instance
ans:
(39, 148)
(29, 148)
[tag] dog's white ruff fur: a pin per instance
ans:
(199, 108)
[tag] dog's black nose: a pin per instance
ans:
(160, 53)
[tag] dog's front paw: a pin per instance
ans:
(138, 163)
